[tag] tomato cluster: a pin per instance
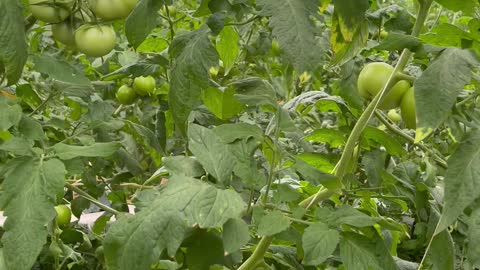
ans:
(142, 86)
(72, 26)
(373, 78)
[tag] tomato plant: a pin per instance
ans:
(268, 134)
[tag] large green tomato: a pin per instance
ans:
(95, 40)
(125, 95)
(407, 106)
(144, 85)
(373, 78)
(64, 33)
(50, 11)
(112, 9)
(64, 215)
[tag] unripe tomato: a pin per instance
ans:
(112, 9)
(394, 96)
(373, 78)
(99, 252)
(144, 85)
(408, 109)
(95, 40)
(55, 249)
(275, 47)
(64, 215)
(394, 115)
(51, 11)
(125, 95)
(64, 33)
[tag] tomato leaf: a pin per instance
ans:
(211, 152)
(438, 87)
(13, 48)
(235, 235)
(221, 102)
(30, 190)
(193, 55)
(227, 47)
(296, 34)
(467, 6)
(67, 152)
(319, 242)
(142, 21)
(461, 179)
(135, 242)
(60, 70)
(272, 223)
(473, 236)
(359, 252)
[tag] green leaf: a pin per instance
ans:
(227, 47)
(229, 133)
(467, 6)
(204, 250)
(361, 253)
(193, 55)
(349, 29)
(60, 70)
(295, 31)
(272, 223)
(148, 136)
(135, 242)
(437, 88)
(442, 252)
(31, 129)
(376, 135)
(316, 176)
(374, 163)
(235, 235)
(397, 42)
(181, 165)
(28, 198)
(18, 145)
(473, 236)
(10, 115)
(246, 166)
(222, 103)
(13, 48)
(211, 152)
(334, 138)
(142, 21)
(345, 215)
(461, 180)
(318, 242)
(67, 152)
(321, 162)
(255, 91)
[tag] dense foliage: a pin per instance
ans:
(239, 134)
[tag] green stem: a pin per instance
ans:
(91, 199)
(403, 76)
(245, 22)
(440, 160)
(257, 256)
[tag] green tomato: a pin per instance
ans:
(99, 252)
(373, 78)
(394, 115)
(64, 33)
(407, 106)
(51, 11)
(144, 85)
(112, 9)
(95, 40)
(55, 249)
(64, 215)
(125, 95)
(275, 47)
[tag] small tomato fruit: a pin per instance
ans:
(51, 11)
(64, 215)
(95, 40)
(394, 115)
(64, 33)
(408, 110)
(125, 95)
(112, 9)
(144, 85)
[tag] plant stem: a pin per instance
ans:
(257, 256)
(91, 199)
(440, 160)
(403, 76)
